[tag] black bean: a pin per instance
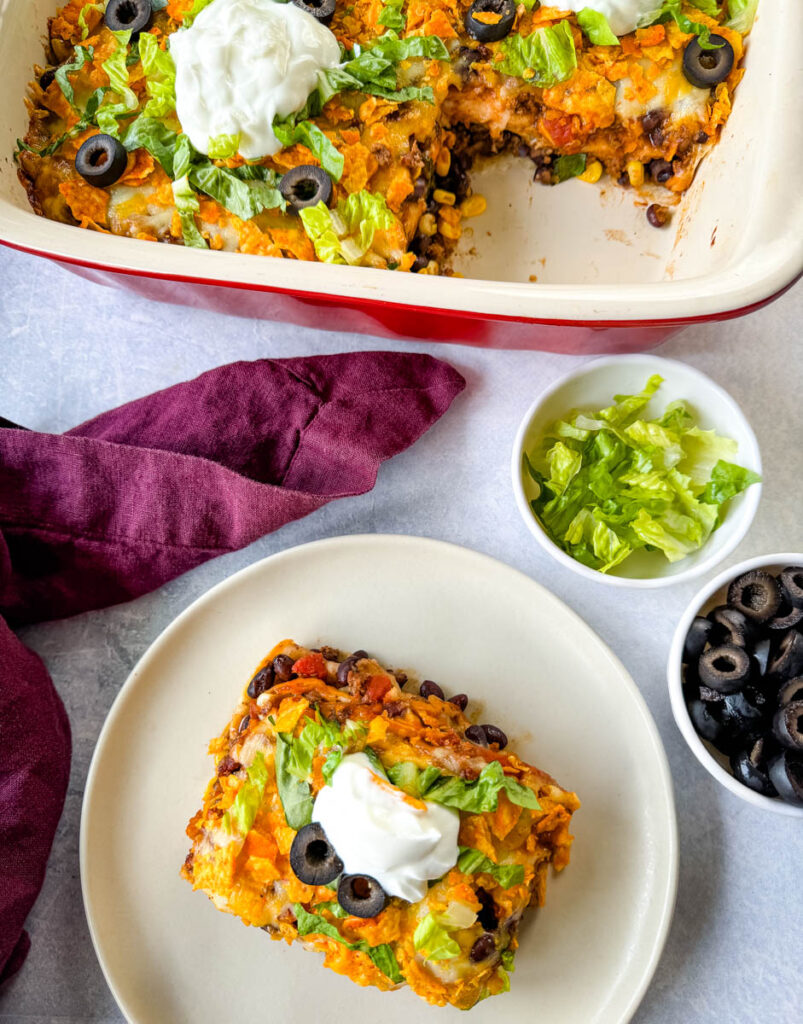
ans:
(661, 170)
(360, 654)
(656, 137)
(657, 215)
(343, 670)
(419, 263)
(283, 667)
(482, 948)
(624, 180)
(262, 681)
(228, 766)
(487, 914)
(399, 676)
(495, 735)
(476, 733)
(700, 138)
(652, 120)
(430, 689)
(244, 723)
(420, 187)
(330, 653)
(46, 78)
(460, 699)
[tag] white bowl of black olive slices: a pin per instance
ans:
(736, 680)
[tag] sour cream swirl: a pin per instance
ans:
(240, 64)
(377, 830)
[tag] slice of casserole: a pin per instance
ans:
(376, 826)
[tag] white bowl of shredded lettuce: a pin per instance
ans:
(636, 471)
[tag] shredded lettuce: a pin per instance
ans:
(741, 15)
(391, 15)
(83, 13)
(477, 797)
(614, 481)
(382, 956)
(596, 27)
(432, 939)
(289, 131)
(245, 199)
(160, 74)
(673, 9)
(243, 811)
(566, 167)
(188, 205)
(221, 147)
(345, 234)
(472, 862)
(151, 134)
(80, 56)
(116, 68)
(544, 57)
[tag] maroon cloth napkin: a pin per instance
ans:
(130, 499)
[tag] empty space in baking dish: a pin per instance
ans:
(575, 252)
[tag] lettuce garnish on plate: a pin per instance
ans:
(612, 482)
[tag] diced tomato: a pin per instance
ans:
(311, 665)
(377, 687)
(559, 129)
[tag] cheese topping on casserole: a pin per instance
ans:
(345, 131)
(363, 821)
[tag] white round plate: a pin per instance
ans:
(527, 662)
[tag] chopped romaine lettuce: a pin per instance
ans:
(116, 68)
(294, 793)
(382, 956)
(566, 167)
(82, 16)
(742, 14)
(544, 57)
(288, 131)
(473, 862)
(476, 797)
(188, 205)
(596, 27)
(391, 15)
(345, 234)
(673, 9)
(80, 56)
(160, 72)
(432, 939)
(243, 811)
(612, 482)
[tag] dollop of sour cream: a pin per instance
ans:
(623, 15)
(377, 830)
(240, 63)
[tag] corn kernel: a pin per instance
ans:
(427, 225)
(528, 74)
(592, 173)
(450, 231)
(473, 206)
(443, 163)
(440, 195)
(635, 173)
(451, 214)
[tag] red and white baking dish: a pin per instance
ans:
(574, 269)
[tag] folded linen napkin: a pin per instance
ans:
(128, 500)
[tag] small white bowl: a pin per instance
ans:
(709, 597)
(592, 387)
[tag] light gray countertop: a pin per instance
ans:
(70, 349)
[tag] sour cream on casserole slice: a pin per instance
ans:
(378, 830)
(623, 15)
(240, 64)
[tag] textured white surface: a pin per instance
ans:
(69, 349)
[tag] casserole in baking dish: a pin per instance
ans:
(377, 826)
(593, 263)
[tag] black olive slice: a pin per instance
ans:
(263, 680)
(361, 895)
(725, 668)
(696, 639)
(787, 725)
(755, 594)
(484, 32)
(731, 627)
(749, 767)
(791, 691)
(321, 10)
(788, 660)
(741, 720)
(786, 774)
(101, 160)
(704, 722)
(306, 185)
(791, 582)
(132, 16)
(705, 68)
(788, 617)
(313, 858)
